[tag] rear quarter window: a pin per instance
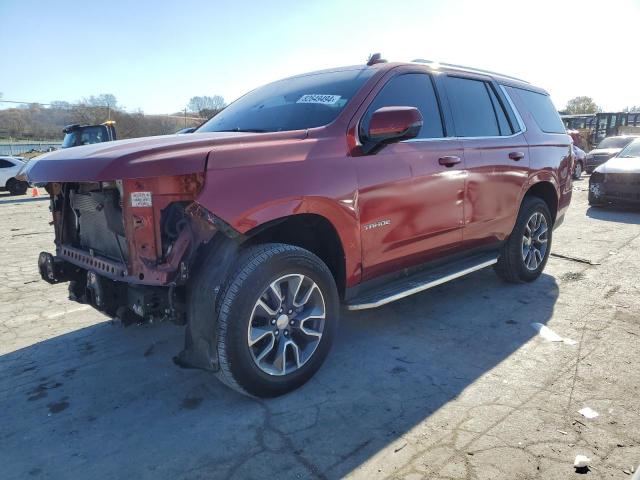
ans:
(542, 110)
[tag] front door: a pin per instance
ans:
(410, 196)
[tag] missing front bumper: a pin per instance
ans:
(132, 303)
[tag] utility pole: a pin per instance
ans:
(185, 117)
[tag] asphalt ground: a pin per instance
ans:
(453, 383)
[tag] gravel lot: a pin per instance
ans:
(453, 383)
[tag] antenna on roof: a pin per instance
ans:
(375, 58)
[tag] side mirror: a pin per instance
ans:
(392, 124)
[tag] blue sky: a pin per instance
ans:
(156, 55)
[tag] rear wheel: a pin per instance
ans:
(524, 255)
(276, 320)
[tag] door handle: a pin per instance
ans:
(516, 156)
(449, 160)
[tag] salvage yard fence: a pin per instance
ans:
(18, 148)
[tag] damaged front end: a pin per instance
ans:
(127, 247)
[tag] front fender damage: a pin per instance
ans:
(203, 295)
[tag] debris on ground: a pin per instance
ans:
(574, 259)
(581, 463)
(588, 412)
(551, 336)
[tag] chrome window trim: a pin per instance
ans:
(523, 127)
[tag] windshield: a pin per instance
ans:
(615, 142)
(85, 136)
(292, 104)
(631, 150)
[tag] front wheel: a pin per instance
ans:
(525, 254)
(276, 320)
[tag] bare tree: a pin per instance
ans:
(580, 105)
(206, 106)
(102, 100)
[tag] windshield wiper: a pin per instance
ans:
(248, 130)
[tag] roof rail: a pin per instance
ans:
(462, 67)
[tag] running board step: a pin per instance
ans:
(420, 282)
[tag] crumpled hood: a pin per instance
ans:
(604, 151)
(620, 165)
(135, 158)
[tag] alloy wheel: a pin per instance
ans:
(535, 241)
(286, 325)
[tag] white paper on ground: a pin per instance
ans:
(587, 412)
(551, 336)
(581, 461)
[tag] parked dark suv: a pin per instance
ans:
(359, 185)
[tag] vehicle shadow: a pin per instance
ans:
(615, 213)
(7, 198)
(107, 402)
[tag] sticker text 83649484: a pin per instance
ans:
(319, 98)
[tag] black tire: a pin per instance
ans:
(16, 187)
(511, 266)
(256, 268)
(588, 170)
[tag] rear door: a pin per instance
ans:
(410, 203)
(496, 156)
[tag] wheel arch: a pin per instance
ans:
(310, 231)
(546, 191)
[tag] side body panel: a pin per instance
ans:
(495, 185)
(421, 200)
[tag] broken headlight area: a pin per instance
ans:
(127, 247)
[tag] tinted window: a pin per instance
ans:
(5, 163)
(294, 103)
(472, 109)
(543, 111)
(409, 90)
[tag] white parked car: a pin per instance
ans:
(9, 168)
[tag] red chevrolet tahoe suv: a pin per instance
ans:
(355, 186)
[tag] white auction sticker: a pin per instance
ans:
(319, 98)
(141, 199)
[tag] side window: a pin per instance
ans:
(542, 111)
(472, 108)
(5, 163)
(503, 121)
(409, 90)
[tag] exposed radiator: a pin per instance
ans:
(99, 224)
